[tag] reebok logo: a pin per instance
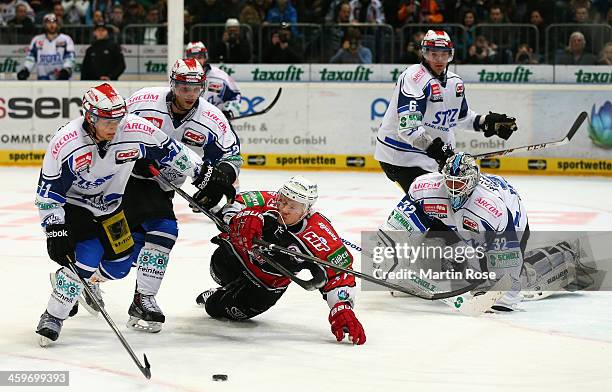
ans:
(58, 233)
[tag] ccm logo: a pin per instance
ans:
(193, 138)
(127, 155)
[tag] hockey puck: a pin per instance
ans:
(219, 377)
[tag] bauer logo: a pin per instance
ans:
(124, 156)
(536, 164)
(490, 163)
(355, 161)
(256, 160)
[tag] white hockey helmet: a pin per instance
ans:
(302, 190)
(196, 49)
(104, 102)
(461, 175)
(187, 71)
(437, 40)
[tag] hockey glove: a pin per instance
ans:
(141, 168)
(214, 182)
(439, 151)
(498, 124)
(244, 227)
(64, 74)
(60, 243)
(275, 232)
(23, 74)
(343, 320)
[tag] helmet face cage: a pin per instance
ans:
(461, 175)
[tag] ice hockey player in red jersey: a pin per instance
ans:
(250, 285)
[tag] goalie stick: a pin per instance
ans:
(315, 283)
(577, 123)
(264, 111)
(146, 369)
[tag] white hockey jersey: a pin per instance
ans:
(493, 220)
(76, 171)
(205, 130)
(221, 90)
(50, 56)
(420, 105)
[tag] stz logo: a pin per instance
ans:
(536, 164)
(437, 210)
(355, 161)
(193, 138)
(319, 243)
(436, 93)
(459, 90)
(155, 121)
(256, 160)
(470, 225)
(124, 156)
(83, 162)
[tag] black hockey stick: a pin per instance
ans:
(309, 285)
(146, 369)
(407, 290)
(579, 120)
(264, 111)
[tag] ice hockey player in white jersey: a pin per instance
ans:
(82, 181)
(221, 90)
(183, 114)
(52, 53)
(416, 135)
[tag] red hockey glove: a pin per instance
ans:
(343, 320)
(245, 226)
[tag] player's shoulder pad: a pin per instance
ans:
(489, 207)
(257, 199)
(322, 236)
(68, 138)
(39, 40)
(147, 96)
(213, 116)
(136, 128)
(65, 37)
(427, 185)
(415, 78)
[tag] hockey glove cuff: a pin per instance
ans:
(215, 182)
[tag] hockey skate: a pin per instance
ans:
(86, 300)
(48, 328)
(145, 314)
(75, 308)
(203, 297)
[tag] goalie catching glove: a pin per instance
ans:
(343, 320)
(497, 124)
(214, 182)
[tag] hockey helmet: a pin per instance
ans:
(49, 18)
(196, 49)
(187, 71)
(437, 40)
(301, 190)
(461, 175)
(104, 102)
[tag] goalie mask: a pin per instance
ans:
(461, 175)
(300, 190)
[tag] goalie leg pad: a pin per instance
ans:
(548, 270)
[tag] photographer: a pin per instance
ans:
(352, 52)
(233, 48)
(525, 55)
(482, 52)
(282, 50)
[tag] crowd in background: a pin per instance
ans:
(272, 31)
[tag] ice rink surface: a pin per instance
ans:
(563, 343)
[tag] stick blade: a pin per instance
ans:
(146, 370)
(579, 120)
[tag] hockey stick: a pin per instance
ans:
(146, 369)
(264, 111)
(577, 123)
(308, 285)
(407, 290)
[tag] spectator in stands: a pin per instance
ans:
(75, 10)
(352, 52)
(253, 13)
(103, 59)
(366, 11)
(208, 11)
(116, 20)
(153, 35)
(581, 15)
(466, 39)
(609, 16)
(26, 26)
(283, 12)
(424, 11)
(575, 53)
(233, 48)
(8, 9)
(38, 11)
(335, 34)
(482, 52)
(59, 12)
(605, 57)
(98, 17)
(525, 55)
(283, 49)
(413, 53)
(162, 7)
(135, 13)
(536, 19)
(232, 8)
